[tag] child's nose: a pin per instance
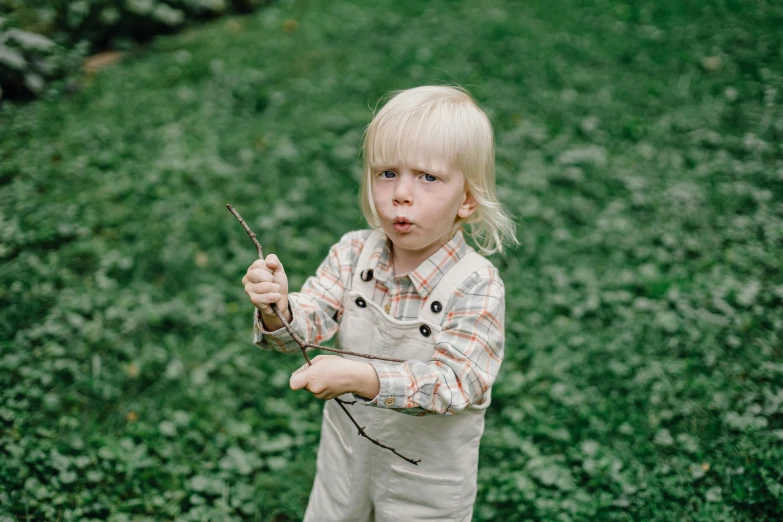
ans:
(403, 190)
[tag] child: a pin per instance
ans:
(411, 289)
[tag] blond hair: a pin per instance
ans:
(441, 122)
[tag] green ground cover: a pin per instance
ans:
(639, 146)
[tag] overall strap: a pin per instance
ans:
(362, 281)
(434, 310)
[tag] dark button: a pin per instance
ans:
(366, 275)
(436, 307)
(425, 330)
(360, 302)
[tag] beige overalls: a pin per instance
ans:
(359, 481)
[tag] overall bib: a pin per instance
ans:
(357, 481)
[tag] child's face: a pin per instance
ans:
(418, 202)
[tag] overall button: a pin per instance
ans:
(361, 303)
(387, 307)
(389, 401)
(366, 275)
(436, 307)
(425, 330)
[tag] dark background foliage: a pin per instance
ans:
(638, 146)
(43, 40)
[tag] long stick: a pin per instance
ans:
(304, 345)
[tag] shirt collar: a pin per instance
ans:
(429, 273)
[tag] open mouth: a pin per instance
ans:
(402, 225)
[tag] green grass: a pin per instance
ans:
(638, 145)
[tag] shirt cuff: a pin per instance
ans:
(393, 379)
(279, 340)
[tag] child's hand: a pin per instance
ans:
(330, 376)
(265, 283)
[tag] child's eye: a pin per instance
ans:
(388, 174)
(429, 177)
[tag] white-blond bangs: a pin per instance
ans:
(408, 137)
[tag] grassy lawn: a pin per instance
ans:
(638, 145)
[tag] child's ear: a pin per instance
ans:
(468, 207)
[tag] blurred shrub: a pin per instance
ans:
(42, 40)
(28, 60)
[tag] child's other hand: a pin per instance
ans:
(266, 283)
(331, 376)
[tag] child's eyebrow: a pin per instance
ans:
(385, 165)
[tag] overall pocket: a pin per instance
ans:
(414, 495)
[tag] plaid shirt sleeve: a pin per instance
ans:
(316, 308)
(468, 353)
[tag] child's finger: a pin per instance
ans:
(299, 379)
(257, 275)
(260, 276)
(258, 263)
(264, 299)
(272, 262)
(274, 265)
(263, 288)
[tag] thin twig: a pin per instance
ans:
(356, 354)
(304, 345)
(363, 433)
(247, 229)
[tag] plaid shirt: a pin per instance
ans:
(468, 350)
